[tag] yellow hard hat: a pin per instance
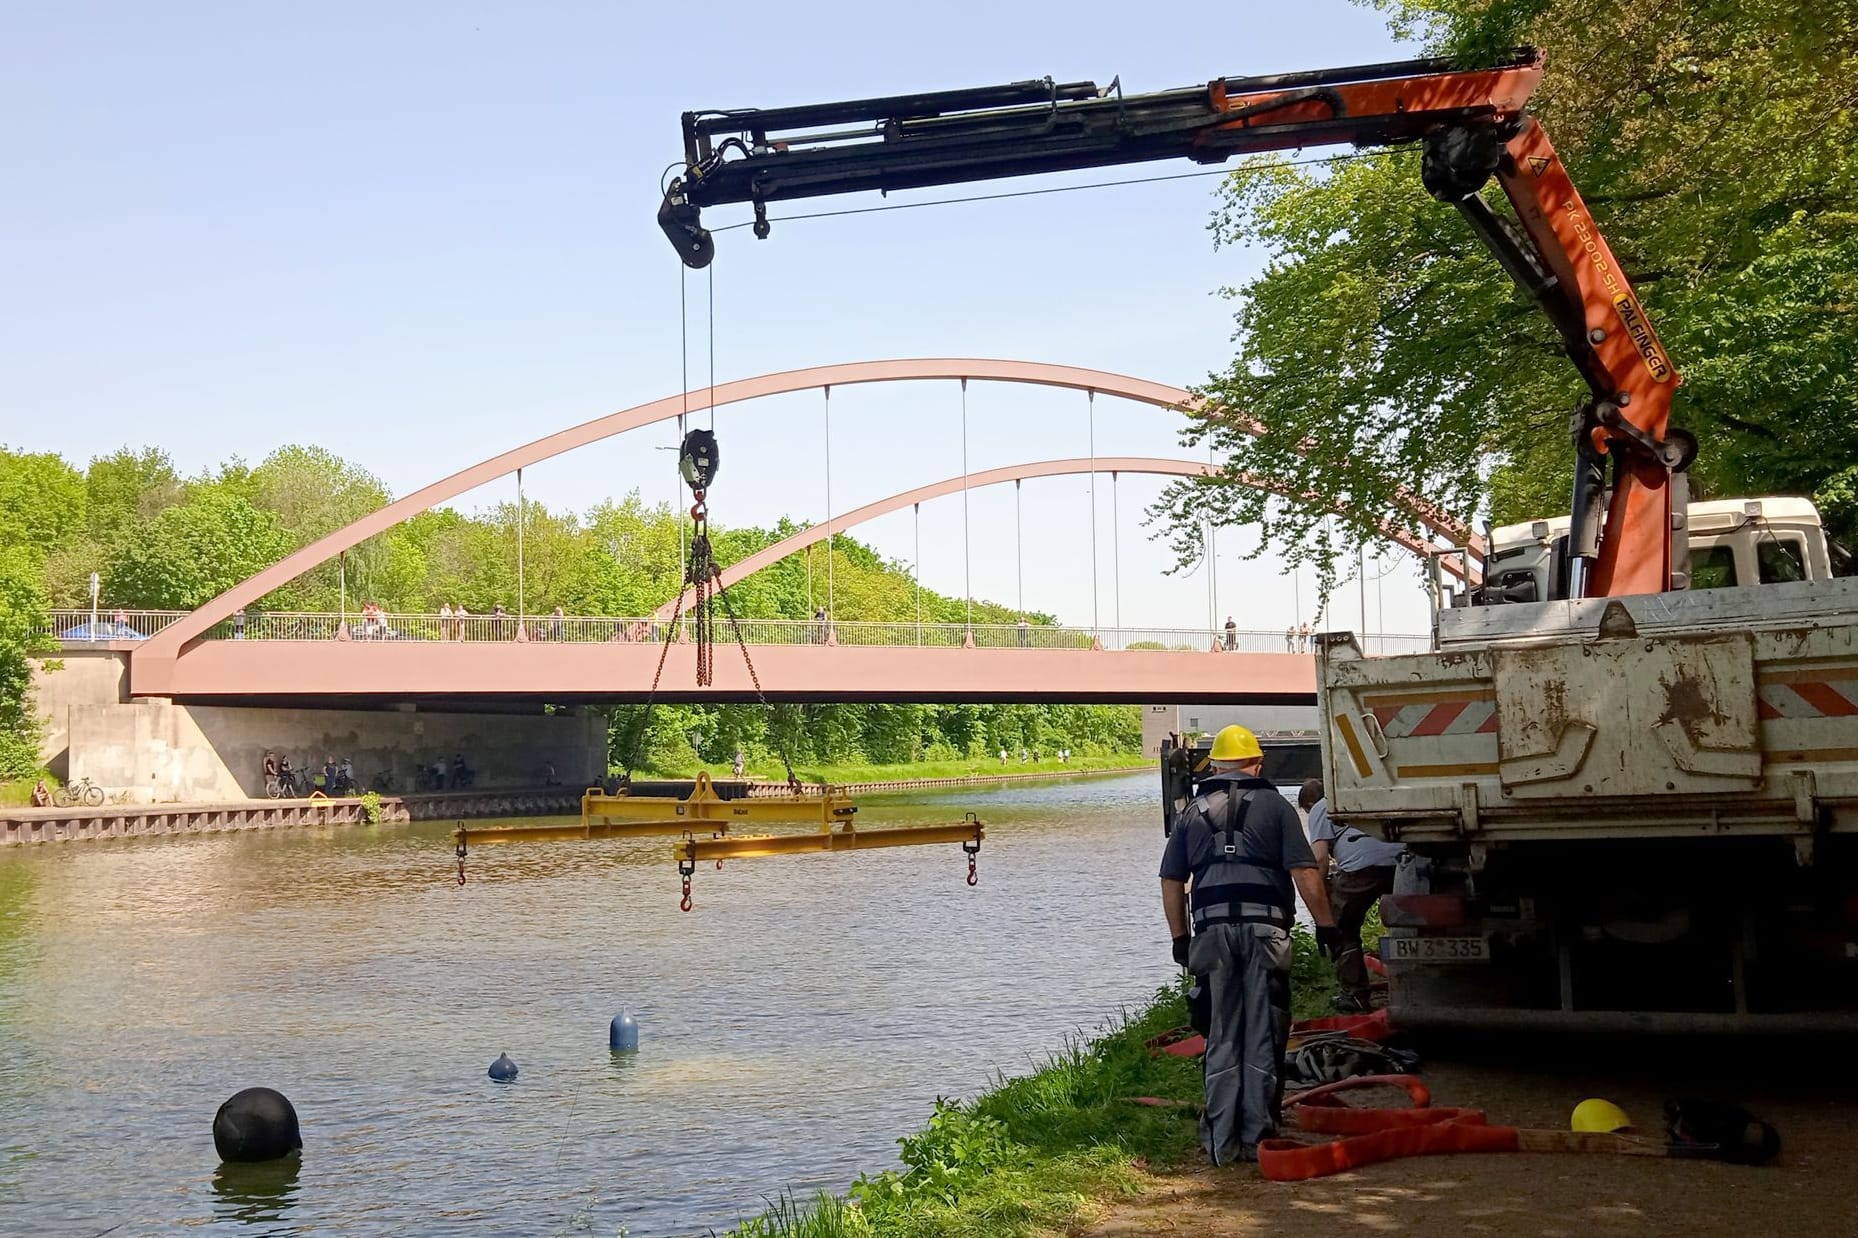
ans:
(1595, 1114)
(1235, 743)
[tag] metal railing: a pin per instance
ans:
(583, 629)
(73, 626)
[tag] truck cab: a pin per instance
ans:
(1732, 542)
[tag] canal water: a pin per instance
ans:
(800, 1019)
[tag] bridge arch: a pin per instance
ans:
(155, 657)
(1157, 466)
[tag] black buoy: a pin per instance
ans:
(257, 1124)
(503, 1069)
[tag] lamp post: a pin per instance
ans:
(95, 584)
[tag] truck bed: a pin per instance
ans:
(1729, 711)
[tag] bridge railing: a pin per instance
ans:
(73, 626)
(584, 629)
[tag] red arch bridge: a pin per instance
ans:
(208, 656)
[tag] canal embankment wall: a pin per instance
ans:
(30, 825)
(143, 751)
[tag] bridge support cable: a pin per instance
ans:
(1207, 544)
(1212, 563)
(1019, 548)
(1090, 401)
(830, 614)
(967, 574)
(916, 568)
(1116, 553)
(522, 518)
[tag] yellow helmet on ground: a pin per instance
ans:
(1235, 743)
(1595, 1114)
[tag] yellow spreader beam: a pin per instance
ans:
(703, 807)
(742, 846)
(557, 833)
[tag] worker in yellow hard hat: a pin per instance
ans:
(1242, 846)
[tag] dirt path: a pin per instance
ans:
(1812, 1190)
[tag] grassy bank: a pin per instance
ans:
(976, 767)
(1039, 1153)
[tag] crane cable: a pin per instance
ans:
(697, 464)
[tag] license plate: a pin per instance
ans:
(1436, 949)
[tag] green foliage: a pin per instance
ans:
(23, 611)
(192, 552)
(1384, 347)
(371, 807)
(126, 489)
(41, 500)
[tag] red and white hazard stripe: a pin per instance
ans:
(1469, 716)
(1809, 698)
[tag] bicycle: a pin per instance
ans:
(83, 791)
(384, 782)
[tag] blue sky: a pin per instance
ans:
(421, 233)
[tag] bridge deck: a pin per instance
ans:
(331, 673)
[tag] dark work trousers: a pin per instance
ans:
(1247, 970)
(1354, 895)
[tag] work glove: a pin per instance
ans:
(1180, 949)
(1329, 942)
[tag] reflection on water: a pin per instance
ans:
(800, 1019)
(255, 1194)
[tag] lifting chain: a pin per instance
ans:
(461, 853)
(972, 849)
(685, 869)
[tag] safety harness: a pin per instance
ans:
(1239, 887)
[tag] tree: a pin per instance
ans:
(24, 620)
(128, 488)
(41, 500)
(194, 551)
(1383, 347)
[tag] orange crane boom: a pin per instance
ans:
(1474, 126)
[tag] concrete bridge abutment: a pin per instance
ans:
(155, 750)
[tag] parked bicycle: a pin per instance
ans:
(286, 784)
(83, 791)
(383, 782)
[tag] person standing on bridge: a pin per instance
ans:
(1364, 870)
(1232, 634)
(1290, 639)
(1243, 848)
(1022, 630)
(1303, 640)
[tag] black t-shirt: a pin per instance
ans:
(1272, 835)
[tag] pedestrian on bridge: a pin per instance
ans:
(1303, 640)
(1364, 870)
(1290, 639)
(1232, 634)
(1241, 845)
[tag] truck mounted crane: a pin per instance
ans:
(1629, 793)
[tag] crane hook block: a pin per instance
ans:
(698, 460)
(682, 222)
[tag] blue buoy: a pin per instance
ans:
(257, 1124)
(503, 1069)
(623, 1036)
